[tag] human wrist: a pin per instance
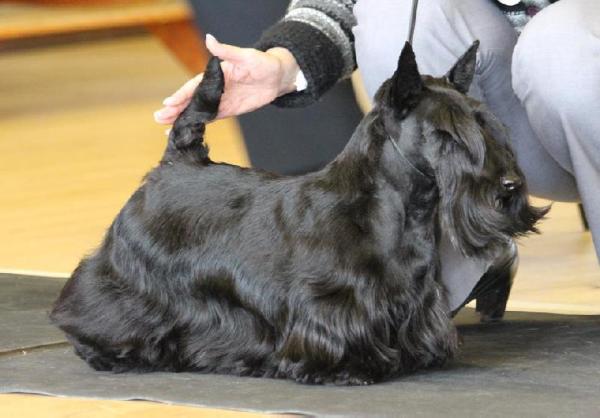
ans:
(289, 69)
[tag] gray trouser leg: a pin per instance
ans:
(556, 75)
(444, 30)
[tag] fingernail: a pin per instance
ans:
(210, 37)
(169, 101)
(158, 115)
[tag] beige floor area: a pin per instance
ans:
(27, 406)
(77, 135)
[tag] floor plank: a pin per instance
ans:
(28, 406)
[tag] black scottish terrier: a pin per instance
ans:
(330, 277)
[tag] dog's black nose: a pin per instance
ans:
(511, 183)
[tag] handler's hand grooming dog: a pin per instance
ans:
(331, 277)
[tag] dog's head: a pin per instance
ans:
(456, 142)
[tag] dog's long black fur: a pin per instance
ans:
(330, 277)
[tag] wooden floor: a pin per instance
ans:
(77, 135)
(26, 406)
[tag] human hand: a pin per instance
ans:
(252, 79)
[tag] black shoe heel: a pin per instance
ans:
(492, 297)
(493, 289)
(491, 306)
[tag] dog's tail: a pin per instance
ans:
(187, 134)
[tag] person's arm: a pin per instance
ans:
(315, 36)
(318, 33)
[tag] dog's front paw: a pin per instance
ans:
(346, 378)
(343, 378)
(310, 379)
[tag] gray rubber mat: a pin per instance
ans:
(24, 305)
(533, 365)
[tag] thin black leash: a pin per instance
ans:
(411, 32)
(413, 21)
(399, 151)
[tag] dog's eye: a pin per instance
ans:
(511, 184)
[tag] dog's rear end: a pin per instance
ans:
(132, 331)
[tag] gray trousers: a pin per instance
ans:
(543, 85)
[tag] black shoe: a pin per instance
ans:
(493, 289)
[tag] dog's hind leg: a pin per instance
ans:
(116, 360)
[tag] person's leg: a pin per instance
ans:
(556, 75)
(444, 31)
(288, 141)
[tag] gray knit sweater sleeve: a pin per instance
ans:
(334, 18)
(319, 35)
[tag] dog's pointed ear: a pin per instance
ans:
(407, 83)
(461, 75)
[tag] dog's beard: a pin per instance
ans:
(479, 221)
(521, 215)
